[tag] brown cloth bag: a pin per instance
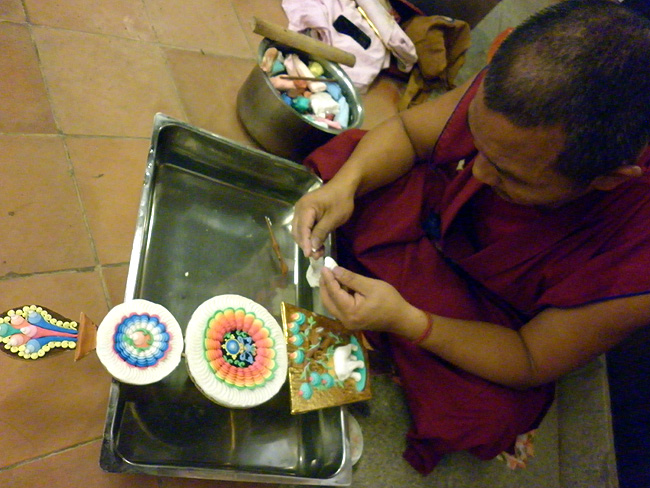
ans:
(441, 43)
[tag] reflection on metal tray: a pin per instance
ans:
(202, 232)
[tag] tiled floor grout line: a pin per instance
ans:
(86, 222)
(14, 276)
(242, 26)
(49, 454)
(46, 85)
(72, 136)
(170, 73)
(71, 169)
(84, 269)
(25, 10)
(162, 45)
(92, 33)
(163, 53)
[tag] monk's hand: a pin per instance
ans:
(360, 302)
(318, 213)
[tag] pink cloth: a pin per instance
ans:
(491, 261)
(319, 15)
(394, 38)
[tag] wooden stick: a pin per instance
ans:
(302, 42)
(276, 248)
(304, 78)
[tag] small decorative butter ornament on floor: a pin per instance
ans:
(524, 450)
(328, 365)
(32, 331)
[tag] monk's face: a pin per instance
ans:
(518, 163)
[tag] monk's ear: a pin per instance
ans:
(614, 178)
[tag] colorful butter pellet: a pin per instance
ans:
(299, 93)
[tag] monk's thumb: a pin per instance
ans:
(348, 279)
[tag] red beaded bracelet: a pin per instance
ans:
(427, 331)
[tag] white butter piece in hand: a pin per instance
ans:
(315, 267)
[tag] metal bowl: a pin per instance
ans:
(277, 127)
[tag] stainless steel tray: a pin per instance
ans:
(201, 232)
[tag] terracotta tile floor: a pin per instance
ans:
(80, 83)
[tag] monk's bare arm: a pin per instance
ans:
(390, 150)
(555, 342)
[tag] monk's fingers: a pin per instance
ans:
(304, 219)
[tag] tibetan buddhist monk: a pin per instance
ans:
(497, 237)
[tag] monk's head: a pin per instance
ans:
(573, 80)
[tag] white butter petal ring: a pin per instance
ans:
(139, 342)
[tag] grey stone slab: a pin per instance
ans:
(384, 421)
(585, 389)
(573, 446)
(587, 455)
(507, 13)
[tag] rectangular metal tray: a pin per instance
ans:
(201, 232)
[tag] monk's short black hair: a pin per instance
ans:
(583, 65)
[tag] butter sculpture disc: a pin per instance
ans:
(236, 352)
(139, 342)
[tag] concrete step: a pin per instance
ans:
(573, 446)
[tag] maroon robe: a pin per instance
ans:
(482, 258)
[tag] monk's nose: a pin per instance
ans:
(484, 171)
